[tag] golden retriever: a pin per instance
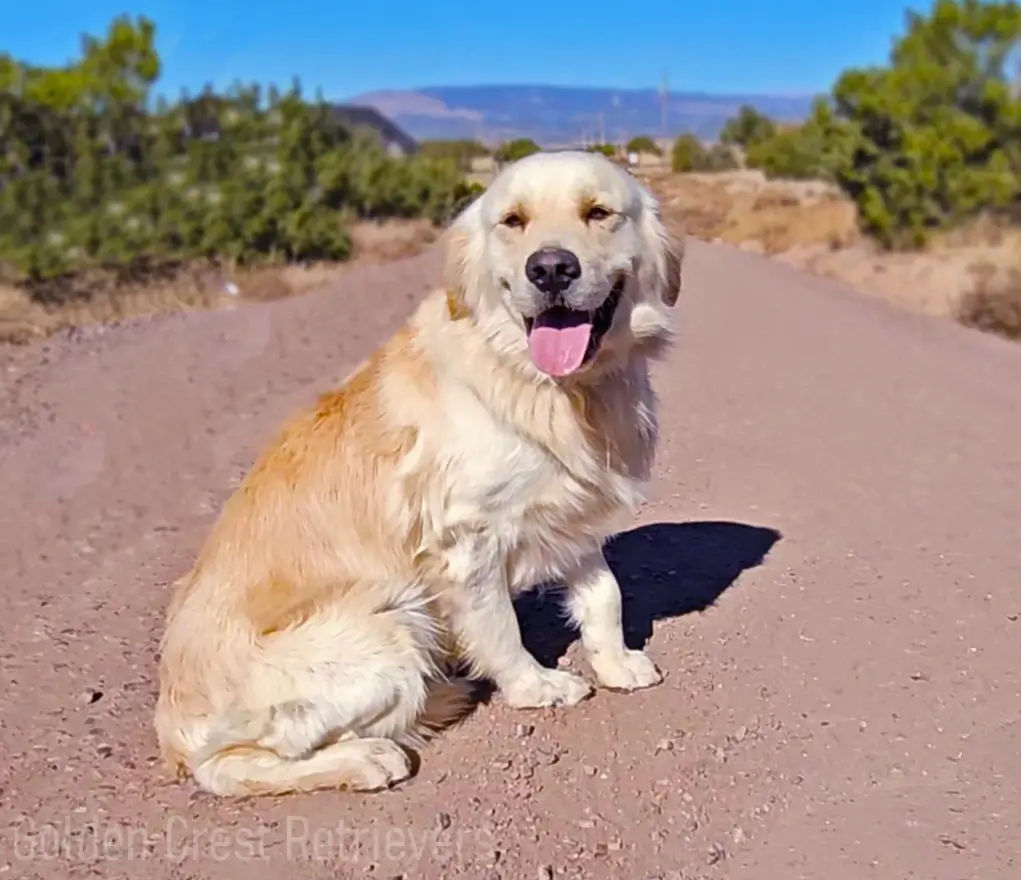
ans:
(493, 444)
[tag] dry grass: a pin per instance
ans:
(391, 239)
(744, 209)
(994, 304)
(972, 274)
(935, 281)
(22, 319)
(831, 223)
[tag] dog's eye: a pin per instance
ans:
(513, 220)
(596, 213)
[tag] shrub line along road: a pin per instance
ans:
(838, 491)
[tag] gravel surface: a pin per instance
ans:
(828, 573)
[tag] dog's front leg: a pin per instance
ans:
(488, 631)
(593, 597)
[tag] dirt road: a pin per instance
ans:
(829, 574)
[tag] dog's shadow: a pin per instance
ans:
(664, 570)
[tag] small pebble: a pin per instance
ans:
(545, 873)
(91, 696)
(443, 820)
(525, 730)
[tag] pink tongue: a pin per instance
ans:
(559, 351)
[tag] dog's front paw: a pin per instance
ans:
(627, 671)
(546, 687)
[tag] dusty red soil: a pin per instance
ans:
(828, 574)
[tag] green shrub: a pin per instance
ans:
(688, 154)
(925, 142)
(94, 175)
(460, 152)
(929, 140)
(795, 154)
(643, 144)
(513, 150)
(719, 157)
(749, 127)
(606, 149)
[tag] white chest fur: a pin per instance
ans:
(533, 509)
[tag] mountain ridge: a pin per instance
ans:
(553, 115)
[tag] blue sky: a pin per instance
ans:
(352, 46)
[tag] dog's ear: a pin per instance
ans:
(459, 243)
(666, 247)
(673, 260)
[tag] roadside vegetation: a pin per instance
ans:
(107, 188)
(904, 181)
(927, 150)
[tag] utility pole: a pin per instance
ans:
(602, 130)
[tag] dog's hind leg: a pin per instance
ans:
(353, 764)
(329, 703)
(358, 763)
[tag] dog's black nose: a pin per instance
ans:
(552, 270)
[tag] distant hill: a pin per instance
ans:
(554, 115)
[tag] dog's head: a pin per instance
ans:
(564, 262)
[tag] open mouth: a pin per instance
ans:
(562, 340)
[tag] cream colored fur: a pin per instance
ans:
(383, 536)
